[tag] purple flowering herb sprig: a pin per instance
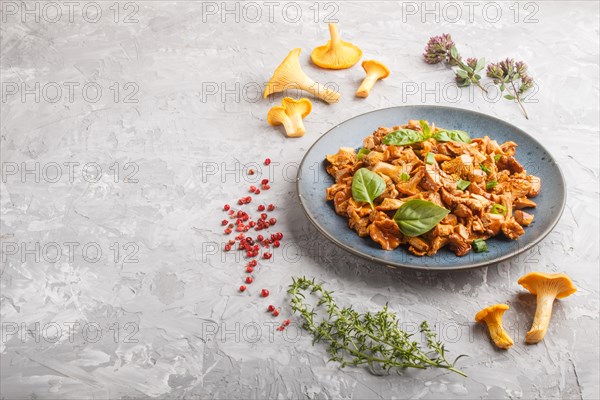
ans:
(511, 77)
(442, 48)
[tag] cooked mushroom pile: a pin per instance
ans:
(429, 187)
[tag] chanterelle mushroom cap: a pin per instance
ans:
(290, 114)
(289, 75)
(491, 311)
(560, 284)
(376, 67)
(546, 287)
(336, 54)
(301, 106)
(492, 316)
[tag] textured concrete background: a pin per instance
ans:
(165, 110)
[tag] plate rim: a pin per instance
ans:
(480, 264)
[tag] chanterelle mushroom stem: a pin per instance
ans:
(541, 321)
(335, 35)
(365, 87)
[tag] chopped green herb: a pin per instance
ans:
(361, 153)
(497, 157)
(489, 185)
(479, 245)
(485, 169)
(462, 185)
(425, 128)
(429, 159)
(498, 209)
(405, 177)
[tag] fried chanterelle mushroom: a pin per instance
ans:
(479, 182)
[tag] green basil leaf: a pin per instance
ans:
(425, 129)
(403, 137)
(361, 153)
(416, 217)
(367, 186)
(452, 136)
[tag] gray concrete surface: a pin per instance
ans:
(114, 176)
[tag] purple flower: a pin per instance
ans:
(508, 66)
(521, 68)
(438, 49)
(495, 72)
(526, 83)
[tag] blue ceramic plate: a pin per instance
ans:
(313, 180)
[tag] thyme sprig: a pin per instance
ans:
(372, 339)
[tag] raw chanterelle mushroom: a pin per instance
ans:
(375, 71)
(290, 114)
(336, 54)
(546, 287)
(289, 75)
(492, 316)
